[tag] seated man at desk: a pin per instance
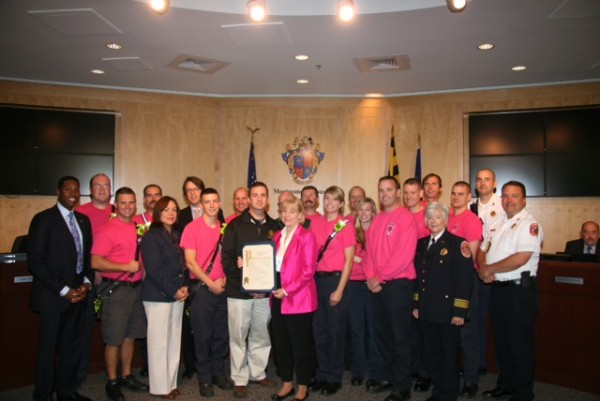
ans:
(588, 243)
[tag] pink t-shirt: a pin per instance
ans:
(333, 258)
(231, 217)
(117, 242)
(358, 272)
(422, 230)
(391, 246)
(139, 218)
(98, 217)
(466, 225)
(199, 236)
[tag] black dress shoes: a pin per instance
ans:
(206, 390)
(316, 385)
(276, 397)
(223, 382)
(379, 386)
(356, 381)
(422, 385)
(403, 396)
(469, 390)
(74, 397)
(331, 388)
(496, 393)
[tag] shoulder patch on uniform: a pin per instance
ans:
(465, 249)
(534, 229)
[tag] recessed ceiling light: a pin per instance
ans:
(486, 46)
(114, 46)
(302, 81)
(301, 57)
(374, 95)
(519, 68)
(97, 71)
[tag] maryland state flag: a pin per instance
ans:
(393, 168)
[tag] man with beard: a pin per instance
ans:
(310, 201)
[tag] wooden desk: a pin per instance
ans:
(19, 330)
(567, 330)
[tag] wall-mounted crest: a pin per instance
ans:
(302, 158)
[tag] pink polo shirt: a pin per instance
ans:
(422, 230)
(391, 246)
(198, 236)
(117, 242)
(466, 225)
(98, 217)
(333, 258)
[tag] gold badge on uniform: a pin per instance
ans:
(444, 252)
(270, 234)
(493, 213)
(513, 226)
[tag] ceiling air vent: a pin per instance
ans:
(198, 64)
(384, 63)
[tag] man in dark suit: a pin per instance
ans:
(58, 257)
(588, 243)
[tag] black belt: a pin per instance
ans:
(518, 282)
(131, 284)
(358, 281)
(328, 274)
(198, 281)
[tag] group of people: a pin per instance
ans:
(410, 287)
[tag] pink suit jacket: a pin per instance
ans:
(298, 272)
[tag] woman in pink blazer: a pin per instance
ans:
(294, 301)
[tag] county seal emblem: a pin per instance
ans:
(303, 158)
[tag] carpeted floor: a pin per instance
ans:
(94, 388)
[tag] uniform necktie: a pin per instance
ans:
(432, 242)
(588, 250)
(77, 239)
(196, 213)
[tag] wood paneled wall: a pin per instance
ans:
(162, 138)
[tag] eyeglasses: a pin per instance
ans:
(192, 190)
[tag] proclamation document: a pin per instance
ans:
(258, 271)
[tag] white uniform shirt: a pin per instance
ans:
(490, 213)
(522, 233)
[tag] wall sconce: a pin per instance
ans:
(257, 10)
(456, 6)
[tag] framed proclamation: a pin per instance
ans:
(258, 270)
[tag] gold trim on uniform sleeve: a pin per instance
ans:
(461, 303)
(415, 296)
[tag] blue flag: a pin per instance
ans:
(251, 166)
(418, 164)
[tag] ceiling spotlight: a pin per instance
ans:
(301, 57)
(160, 6)
(519, 68)
(302, 81)
(345, 11)
(113, 46)
(257, 10)
(486, 46)
(97, 71)
(456, 6)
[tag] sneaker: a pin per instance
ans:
(131, 383)
(113, 391)
(223, 382)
